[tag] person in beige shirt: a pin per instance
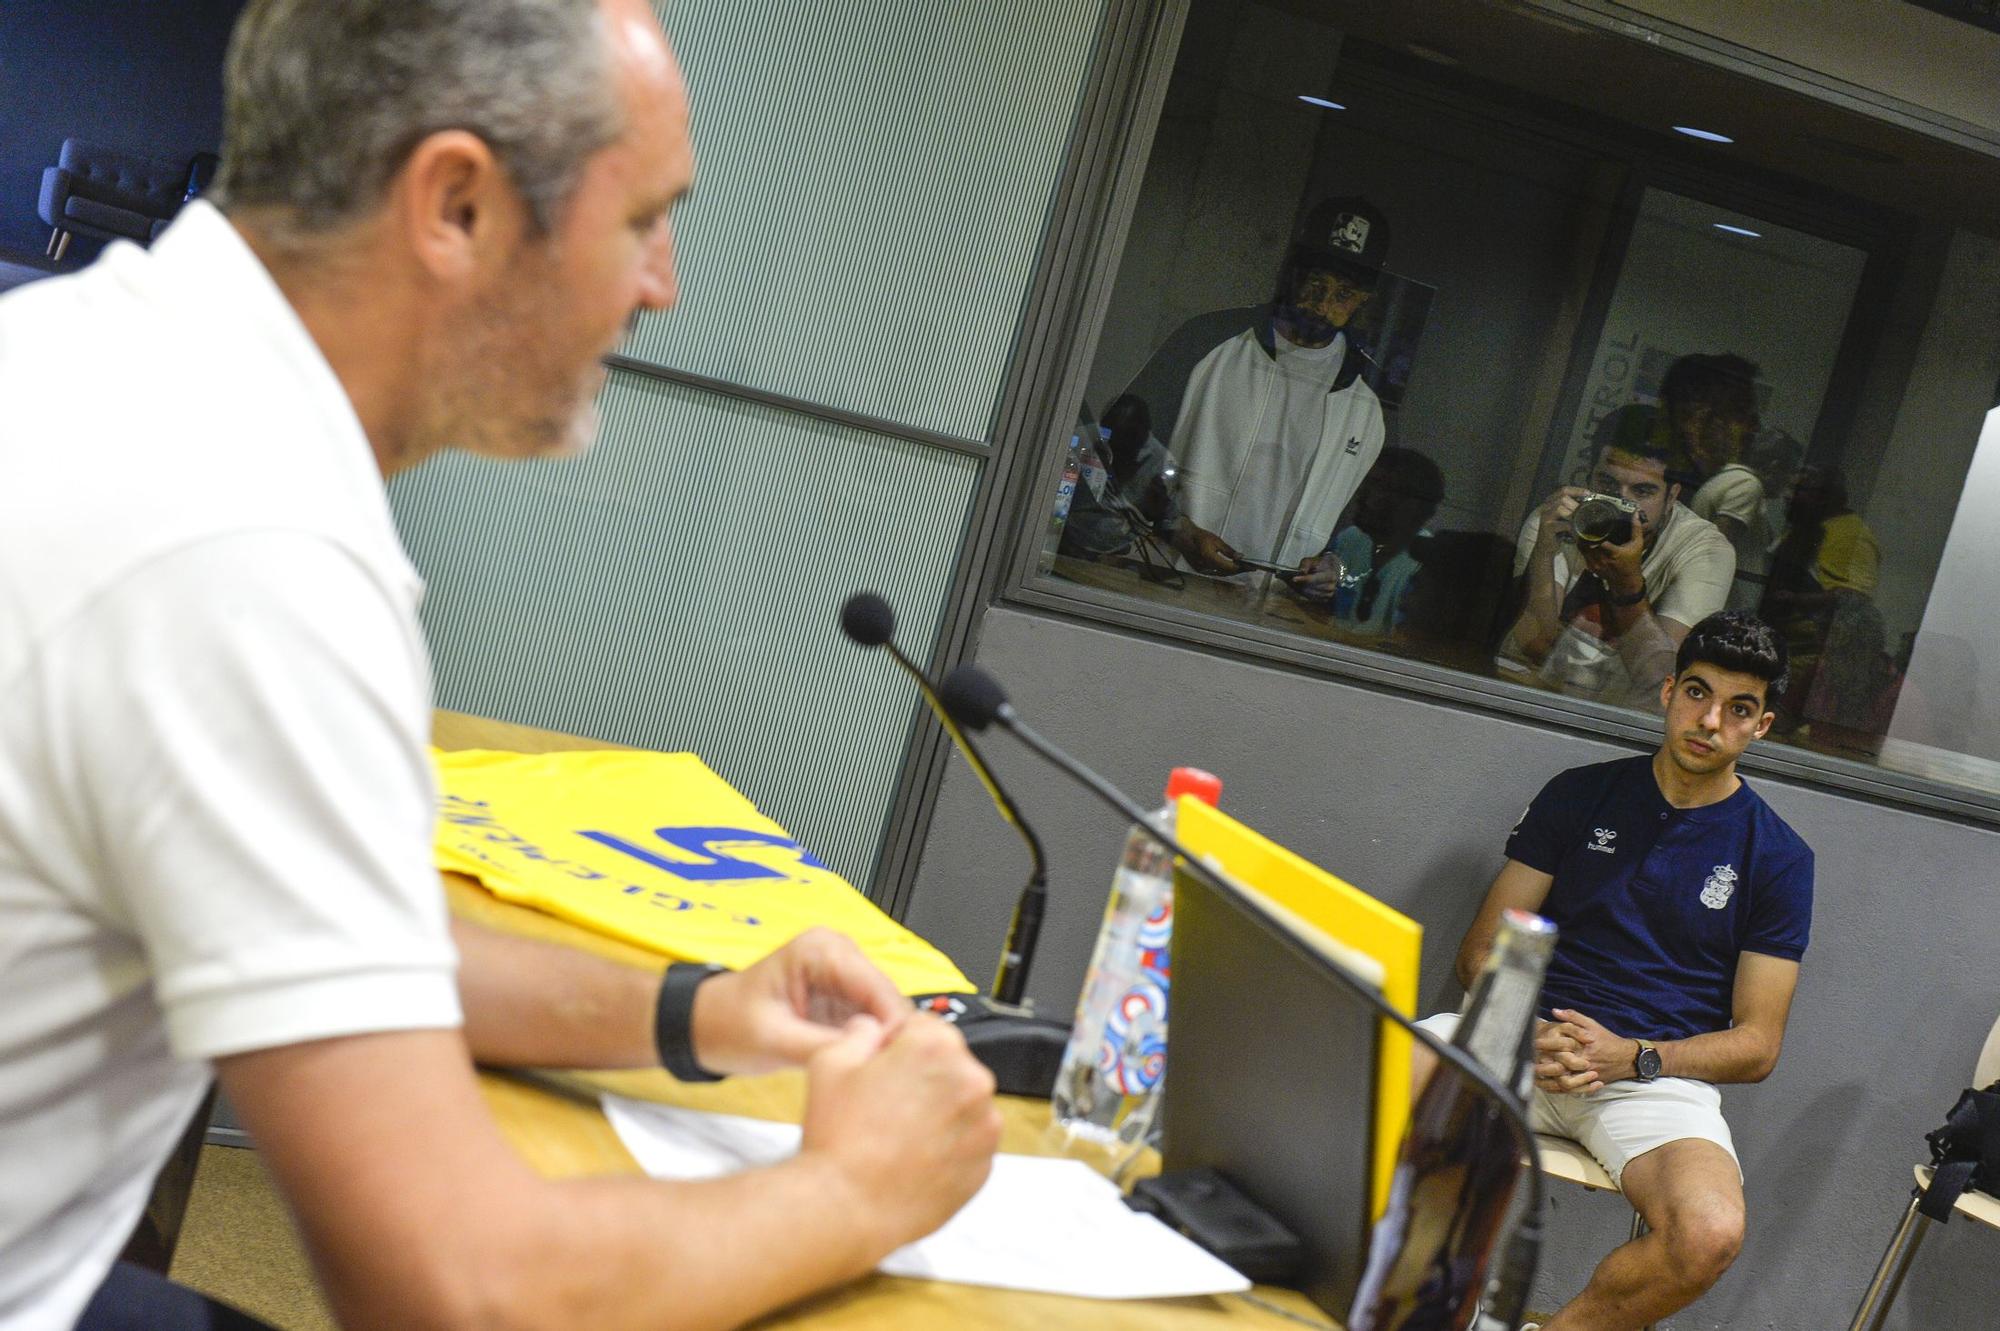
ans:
(1603, 621)
(1709, 401)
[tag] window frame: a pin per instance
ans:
(1108, 170)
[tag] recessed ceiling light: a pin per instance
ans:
(1737, 230)
(1310, 100)
(1706, 135)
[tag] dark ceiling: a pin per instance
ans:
(1779, 133)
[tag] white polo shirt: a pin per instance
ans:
(215, 795)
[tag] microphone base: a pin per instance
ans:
(1023, 1052)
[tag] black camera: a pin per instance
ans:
(1601, 519)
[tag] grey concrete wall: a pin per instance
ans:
(1412, 800)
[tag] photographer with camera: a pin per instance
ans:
(1614, 575)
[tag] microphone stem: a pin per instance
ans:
(1011, 980)
(1018, 954)
(1524, 1255)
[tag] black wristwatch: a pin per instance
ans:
(673, 1020)
(1646, 1064)
(1633, 599)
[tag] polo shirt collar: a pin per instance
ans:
(1721, 809)
(1660, 537)
(204, 260)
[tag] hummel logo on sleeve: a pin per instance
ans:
(1605, 836)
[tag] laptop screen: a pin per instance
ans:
(1271, 1075)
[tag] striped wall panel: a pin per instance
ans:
(873, 185)
(679, 588)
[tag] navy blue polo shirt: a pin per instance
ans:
(1655, 903)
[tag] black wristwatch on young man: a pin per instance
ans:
(1646, 1063)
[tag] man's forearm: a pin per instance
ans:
(418, 1213)
(1540, 622)
(1739, 1054)
(611, 1253)
(535, 1004)
(1471, 957)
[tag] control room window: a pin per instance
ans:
(1457, 334)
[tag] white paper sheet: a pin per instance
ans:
(1039, 1224)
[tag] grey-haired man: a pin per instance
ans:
(435, 217)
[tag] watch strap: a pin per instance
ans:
(673, 1020)
(1624, 601)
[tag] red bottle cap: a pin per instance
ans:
(1204, 786)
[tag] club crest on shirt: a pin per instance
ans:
(1601, 842)
(1721, 885)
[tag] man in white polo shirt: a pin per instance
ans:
(215, 799)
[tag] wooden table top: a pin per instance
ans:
(553, 1120)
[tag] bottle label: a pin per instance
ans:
(1065, 492)
(1116, 1058)
(1133, 1053)
(1495, 1039)
(1094, 474)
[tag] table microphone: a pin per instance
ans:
(1024, 1052)
(868, 620)
(976, 701)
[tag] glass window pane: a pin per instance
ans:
(1437, 333)
(673, 590)
(873, 184)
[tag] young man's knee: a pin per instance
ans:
(1702, 1243)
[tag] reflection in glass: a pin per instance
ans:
(1777, 349)
(1367, 570)
(1271, 417)
(1605, 608)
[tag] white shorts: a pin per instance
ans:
(1625, 1119)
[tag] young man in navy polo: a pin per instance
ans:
(1684, 903)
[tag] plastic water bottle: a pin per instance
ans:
(1348, 591)
(1109, 1087)
(1066, 488)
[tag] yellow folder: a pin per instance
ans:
(1349, 917)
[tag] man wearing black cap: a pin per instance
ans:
(1276, 426)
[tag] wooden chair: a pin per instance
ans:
(1565, 1158)
(1980, 1206)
